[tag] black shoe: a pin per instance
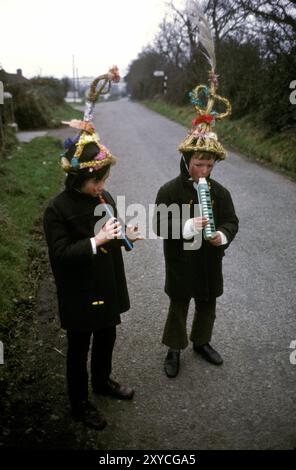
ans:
(88, 414)
(171, 363)
(209, 354)
(115, 390)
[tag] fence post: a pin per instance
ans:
(1, 353)
(165, 84)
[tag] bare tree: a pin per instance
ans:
(281, 12)
(227, 19)
(276, 23)
(171, 42)
(224, 16)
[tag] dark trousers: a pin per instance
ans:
(175, 333)
(77, 355)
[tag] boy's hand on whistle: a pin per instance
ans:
(216, 239)
(133, 233)
(112, 229)
(199, 223)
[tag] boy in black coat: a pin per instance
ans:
(86, 260)
(193, 263)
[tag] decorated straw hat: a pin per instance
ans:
(72, 161)
(202, 136)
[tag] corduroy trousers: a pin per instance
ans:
(175, 330)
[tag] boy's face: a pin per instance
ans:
(94, 187)
(200, 168)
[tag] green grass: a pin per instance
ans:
(277, 151)
(28, 178)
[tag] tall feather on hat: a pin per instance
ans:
(202, 137)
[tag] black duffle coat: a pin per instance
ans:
(195, 273)
(81, 277)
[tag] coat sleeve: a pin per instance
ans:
(62, 249)
(228, 221)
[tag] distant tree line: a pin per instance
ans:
(255, 44)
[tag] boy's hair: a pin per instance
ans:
(199, 155)
(78, 178)
(203, 155)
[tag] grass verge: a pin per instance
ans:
(28, 178)
(278, 151)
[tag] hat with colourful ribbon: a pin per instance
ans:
(75, 157)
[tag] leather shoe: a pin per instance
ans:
(115, 390)
(209, 354)
(171, 363)
(88, 414)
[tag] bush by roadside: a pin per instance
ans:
(63, 112)
(37, 106)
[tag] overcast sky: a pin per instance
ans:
(41, 37)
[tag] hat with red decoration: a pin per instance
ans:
(201, 137)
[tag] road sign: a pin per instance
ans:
(158, 73)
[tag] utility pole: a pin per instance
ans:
(74, 88)
(77, 83)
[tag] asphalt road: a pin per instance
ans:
(248, 403)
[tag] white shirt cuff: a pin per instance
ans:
(93, 245)
(189, 230)
(224, 240)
